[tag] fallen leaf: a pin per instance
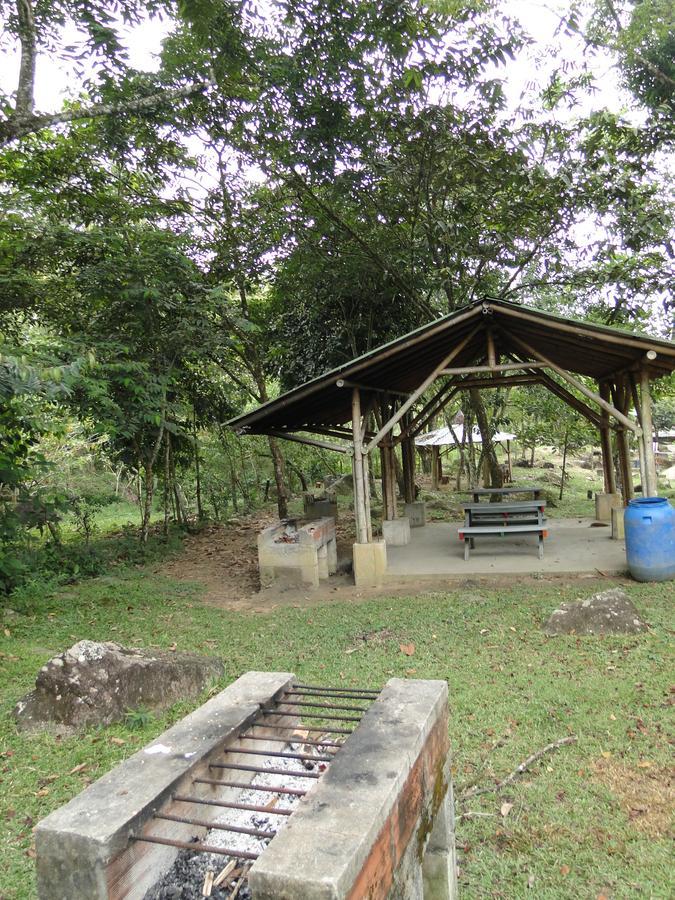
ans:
(173, 647)
(606, 754)
(42, 793)
(351, 650)
(565, 870)
(644, 764)
(506, 809)
(80, 768)
(119, 741)
(8, 633)
(408, 649)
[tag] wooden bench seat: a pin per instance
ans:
(469, 533)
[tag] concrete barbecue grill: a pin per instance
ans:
(372, 814)
(297, 552)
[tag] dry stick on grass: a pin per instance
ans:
(501, 740)
(523, 767)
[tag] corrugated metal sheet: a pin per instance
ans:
(443, 437)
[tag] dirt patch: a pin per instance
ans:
(224, 559)
(647, 794)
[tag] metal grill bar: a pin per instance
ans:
(319, 687)
(289, 740)
(279, 753)
(323, 705)
(247, 806)
(291, 715)
(330, 695)
(196, 846)
(304, 728)
(294, 792)
(204, 823)
(260, 770)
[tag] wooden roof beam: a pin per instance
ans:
(504, 367)
(429, 380)
(300, 439)
(579, 385)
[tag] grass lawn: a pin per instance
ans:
(587, 821)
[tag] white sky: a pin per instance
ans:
(56, 80)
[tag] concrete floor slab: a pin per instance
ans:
(573, 546)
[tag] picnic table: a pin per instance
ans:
(533, 489)
(503, 519)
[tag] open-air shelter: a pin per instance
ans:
(388, 396)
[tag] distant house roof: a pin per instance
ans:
(443, 437)
(402, 365)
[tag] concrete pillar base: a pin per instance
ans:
(417, 513)
(618, 533)
(370, 564)
(396, 532)
(604, 503)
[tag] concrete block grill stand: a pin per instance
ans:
(378, 823)
(297, 553)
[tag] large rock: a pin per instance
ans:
(98, 683)
(609, 612)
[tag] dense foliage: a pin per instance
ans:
(283, 190)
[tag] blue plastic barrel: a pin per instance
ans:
(650, 539)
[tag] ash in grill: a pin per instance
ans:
(273, 789)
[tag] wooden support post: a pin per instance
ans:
(641, 447)
(366, 496)
(648, 435)
(408, 459)
(606, 443)
(623, 450)
(357, 470)
(491, 355)
(621, 395)
(434, 467)
(384, 465)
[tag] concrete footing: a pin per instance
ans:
(618, 533)
(417, 513)
(396, 532)
(604, 504)
(370, 564)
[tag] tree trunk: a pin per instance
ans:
(167, 482)
(279, 477)
(564, 463)
(200, 511)
(147, 502)
(496, 479)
